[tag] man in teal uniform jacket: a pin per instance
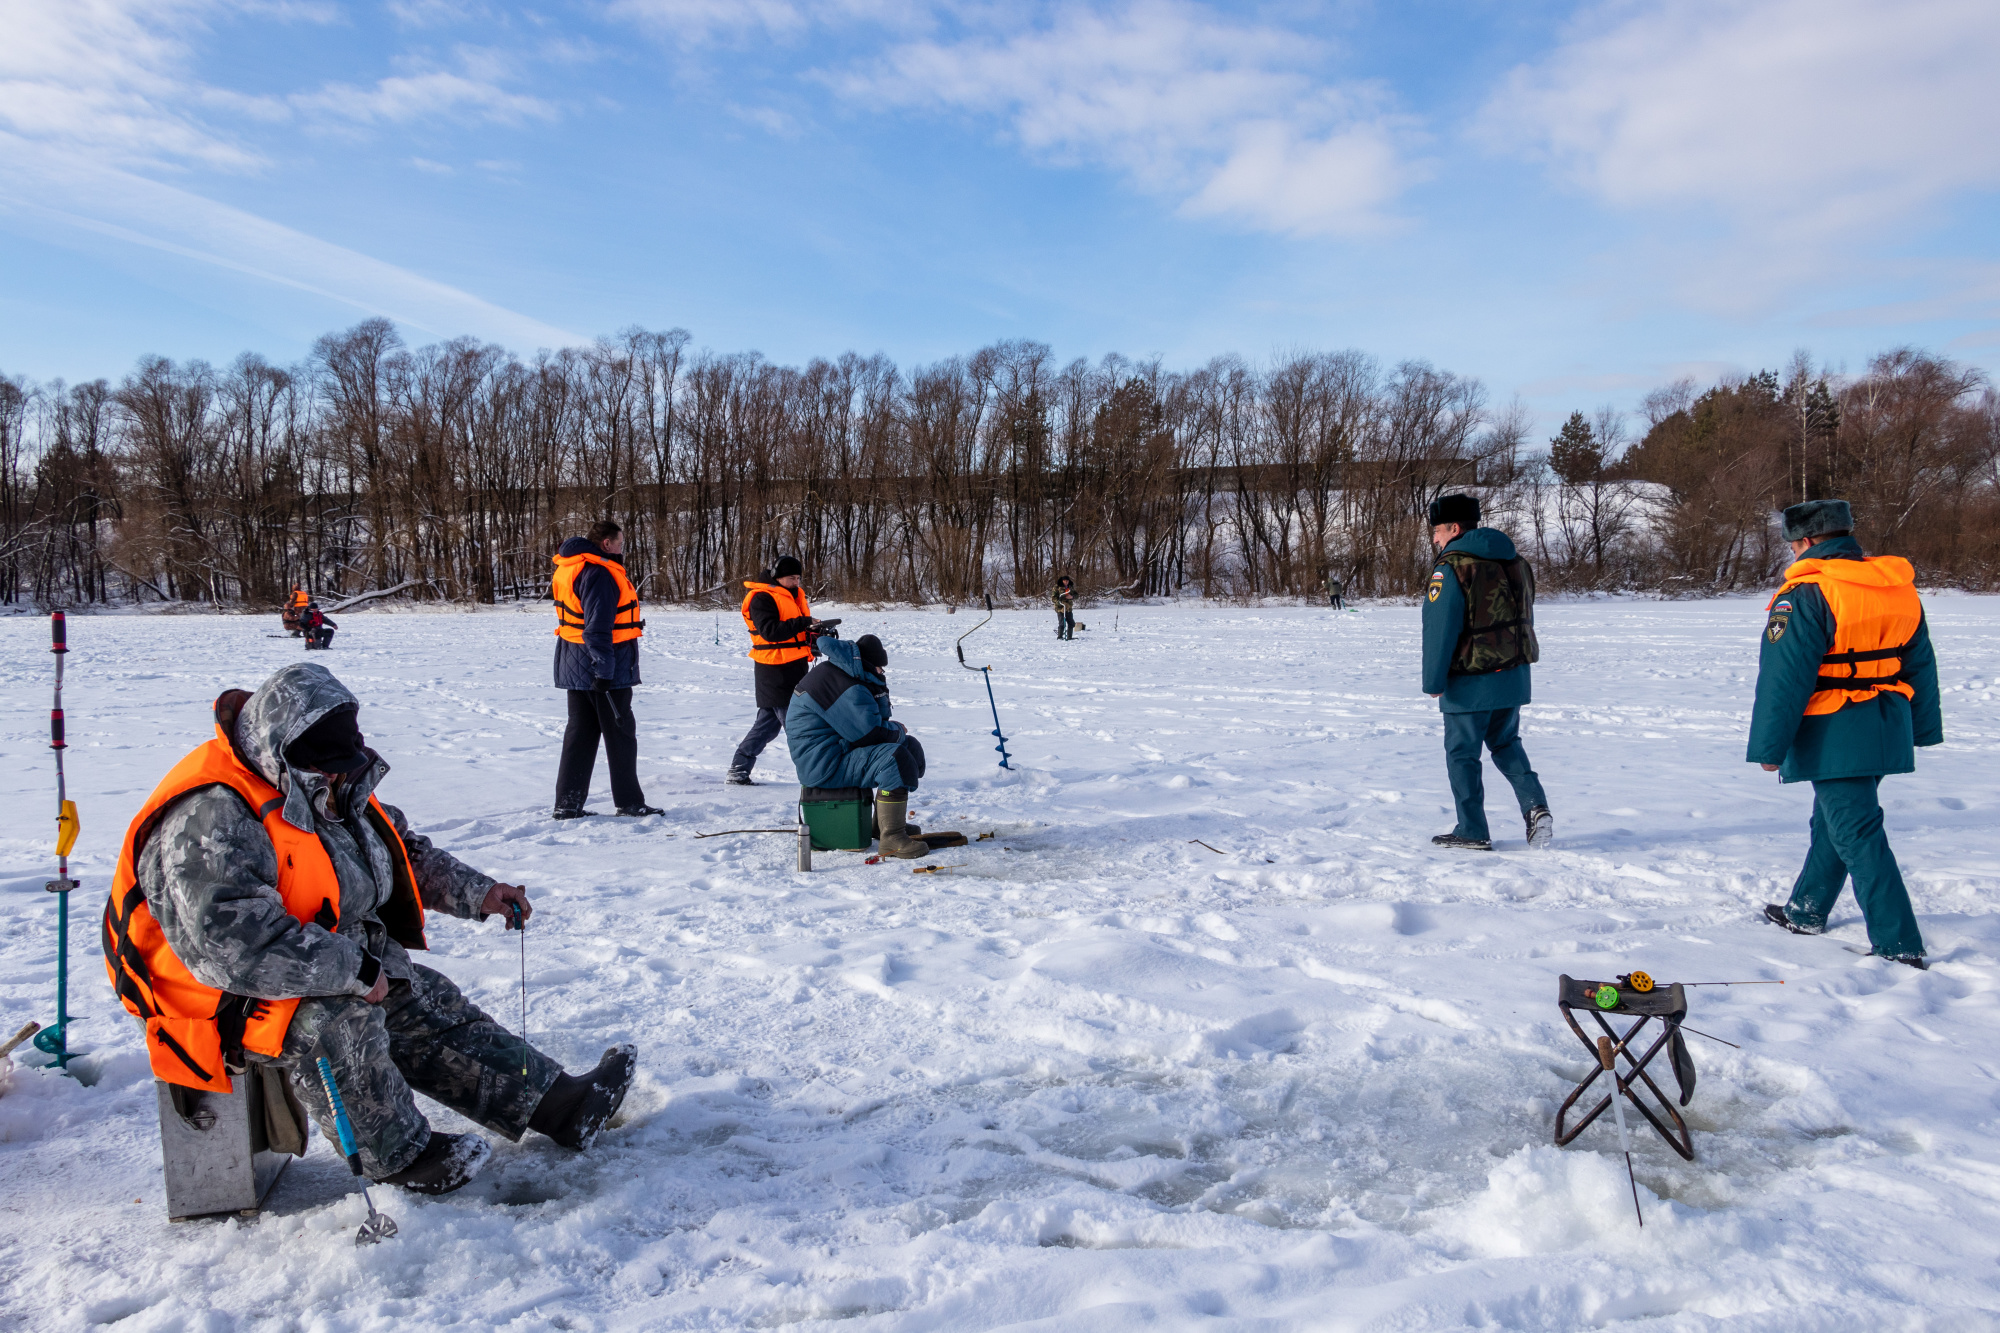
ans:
(1479, 639)
(1845, 741)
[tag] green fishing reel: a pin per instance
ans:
(1605, 996)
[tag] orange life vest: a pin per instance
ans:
(1876, 614)
(299, 600)
(791, 605)
(626, 626)
(191, 1026)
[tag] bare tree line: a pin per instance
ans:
(459, 467)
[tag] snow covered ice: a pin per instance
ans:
(1094, 1075)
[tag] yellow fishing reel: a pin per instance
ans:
(1641, 982)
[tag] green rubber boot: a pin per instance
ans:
(892, 836)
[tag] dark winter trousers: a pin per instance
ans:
(1065, 624)
(770, 721)
(1847, 839)
(1500, 732)
(424, 1037)
(594, 714)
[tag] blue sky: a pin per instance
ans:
(1574, 203)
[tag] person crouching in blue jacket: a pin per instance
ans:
(841, 735)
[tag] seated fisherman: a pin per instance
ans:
(262, 911)
(840, 734)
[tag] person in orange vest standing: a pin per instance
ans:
(262, 917)
(598, 625)
(780, 621)
(293, 615)
(1847, 689)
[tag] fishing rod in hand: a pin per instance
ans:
(986, 673)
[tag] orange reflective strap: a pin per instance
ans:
(1876, 616)
(777, 653)
(629, 621)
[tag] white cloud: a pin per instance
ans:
(95, 93)
(1228, 116)
(435, 93)
(107, 77)
(1824, 115)
(54, 193)
(697, 21)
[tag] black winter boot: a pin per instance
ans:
(1778, 916)
(447, 1162)
(1463, 844)
(639, 811)
(576, 1106)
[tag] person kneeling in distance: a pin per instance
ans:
(262, 914)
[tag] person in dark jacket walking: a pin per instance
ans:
(1479, 640)
(1064, 598)
(598, 625)
(841, 734)
(780, 621)
(1847, 689)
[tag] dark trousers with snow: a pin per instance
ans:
(1500, 732)
(770, 721)
(1848, 839)
(424, 1037)
(594, 715)
(1065, 624)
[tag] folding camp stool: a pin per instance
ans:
(1668, 1004)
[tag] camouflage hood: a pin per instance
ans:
(281, 711)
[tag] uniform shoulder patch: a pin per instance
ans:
(1782, 606)
(1437, 584)
(1775, 630)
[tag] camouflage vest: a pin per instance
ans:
(1499, 630)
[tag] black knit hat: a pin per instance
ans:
(1460, 509)
(873, 655)
(331, 745)
(787, 566)
(1818, 518)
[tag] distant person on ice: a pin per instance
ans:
(780, 620)
(1479, 639)
(1847, 688)
(598, 625)
(841, 735)
(262, 913)
(1064, 598)
(317, 626)
(1335, 589)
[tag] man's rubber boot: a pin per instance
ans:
(571, 812)
(577, 1106)
(1778, 916)
(891, 818)
(1541, 828)
(739, 779)
(639, 811)
(448, 1162)
(1463, 844)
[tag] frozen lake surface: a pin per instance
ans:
(1094, 1075)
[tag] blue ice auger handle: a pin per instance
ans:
(340, 1121)
(986, 674)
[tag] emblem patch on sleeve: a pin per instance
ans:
(1776, 629)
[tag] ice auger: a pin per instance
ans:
(987, 672)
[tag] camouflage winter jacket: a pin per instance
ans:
(1460, 653)
(210, 875)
